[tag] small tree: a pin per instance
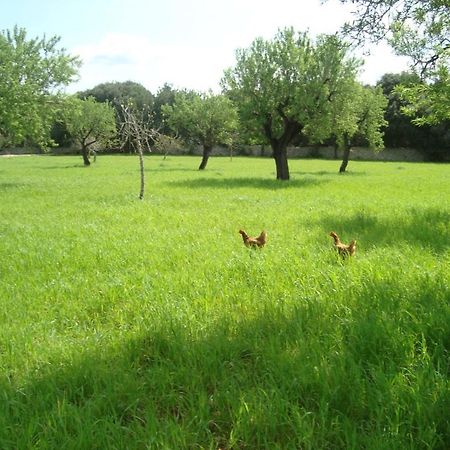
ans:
(357, 113)
(136, 132)
(164, 143)
(204, 119)
(90, 124)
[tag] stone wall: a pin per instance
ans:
(357, 153)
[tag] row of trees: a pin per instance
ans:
(279, 91)
(286, 90)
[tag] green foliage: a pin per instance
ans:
(147, 324)
(357, 112)
(32, 73)
(89, 122)
(121, 93)
(428, 104)
(284, 85)
(164, 96)
(371, 120)
(400, 132)
(403, 130)
(204, 119)
(418, 29)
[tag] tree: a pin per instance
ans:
(432, 137)
(419, 29)
(90, 124)
(204, 119)
(138, 133)
(400, 131)
(135, 130)
(121, 93)
(124, 93)
(32, 75)
(367, 121)
(283, 85)
(164, 96)
(356, 115)
(429, 104)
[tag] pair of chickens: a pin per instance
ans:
(260, 241)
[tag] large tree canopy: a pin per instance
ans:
(32, 75)
(121, 93)
(205, 119)
(284, 85)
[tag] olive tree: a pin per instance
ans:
(357, 113)
(33, 73)
(281, 86)
(204, 119)
(90, 124)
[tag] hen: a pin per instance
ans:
(343, 249)
(259, 241)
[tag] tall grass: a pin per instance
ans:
(147, 324)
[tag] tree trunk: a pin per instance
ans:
(281, 162)
(346, 156)
(141, 164)
(206, 152)
(85, 154)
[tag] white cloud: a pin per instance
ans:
(122, 57)
(195, 53)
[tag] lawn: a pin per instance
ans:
(128, 324)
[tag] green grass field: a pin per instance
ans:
(128, 324)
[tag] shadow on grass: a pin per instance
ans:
(261, 382)
(428, 228)
(66, 166)
(164, 168)
(247, 182)
(11, 186)
(329, 173)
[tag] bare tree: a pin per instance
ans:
(136, 132)
(164, 143)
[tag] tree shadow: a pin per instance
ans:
(330, 173)
(163, 168)
(67, 166)
(253, 377)
(247, 182)
(7, 186)
(427, 228)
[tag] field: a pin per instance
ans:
(128, 324)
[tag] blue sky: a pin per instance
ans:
(185, 43)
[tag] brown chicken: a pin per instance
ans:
(343, 249)
(259, 241)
